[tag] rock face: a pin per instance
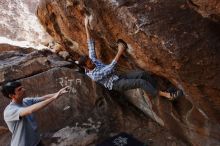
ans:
(19, 22)
(83, 117)
(23, 63)
(207, 8)
(176, 44)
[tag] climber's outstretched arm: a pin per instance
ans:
(90, 41)
(87, 28)
(121, 49)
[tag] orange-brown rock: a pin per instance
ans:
(165, 37)
(207, 8)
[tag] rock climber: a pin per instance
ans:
(105, 73)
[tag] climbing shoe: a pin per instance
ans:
(175, 94)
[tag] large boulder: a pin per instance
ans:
(17, 62)
(83, 117)
(177, 45)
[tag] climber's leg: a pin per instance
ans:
(126, 84)
(139, 74)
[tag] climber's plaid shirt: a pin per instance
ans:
(102, 73)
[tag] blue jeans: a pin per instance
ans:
(136, 79)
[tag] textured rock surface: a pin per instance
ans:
(207, 8)
(86, 115)
(23, 63)
(19, 22)
(74, 136)
(5, 135)
(165, 37)
(17, 63)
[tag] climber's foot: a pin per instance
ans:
(175, 94)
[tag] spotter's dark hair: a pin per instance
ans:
(8, 88)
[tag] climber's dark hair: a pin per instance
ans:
(82, 60)
(8, 88)
(122, 42)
